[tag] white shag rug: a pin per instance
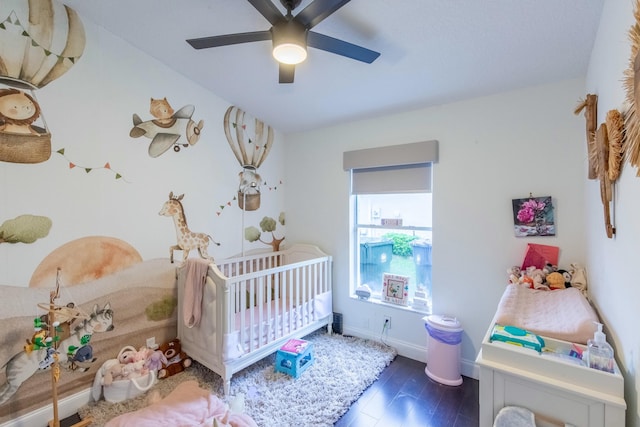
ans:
(343, 368)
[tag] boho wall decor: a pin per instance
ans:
(632, 87)
(601, 160)
(590, 107)
(607, 158)
(533, 216)
(615, 135)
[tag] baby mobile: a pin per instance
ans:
(48, 332)
(37, 45)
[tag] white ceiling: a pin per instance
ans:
(432, 52)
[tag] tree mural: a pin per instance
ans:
(267, 225)
(24, 229)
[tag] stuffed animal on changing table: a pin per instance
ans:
(514, 274)
(177, 360)
(538, 278)
(532, 277)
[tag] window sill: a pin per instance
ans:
(408, 308)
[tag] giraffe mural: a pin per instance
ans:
(187, 239)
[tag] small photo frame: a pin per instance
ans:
(395, 288)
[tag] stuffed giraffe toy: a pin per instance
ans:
(187, 239)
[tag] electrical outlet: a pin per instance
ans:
(387, 322)
(151, 343)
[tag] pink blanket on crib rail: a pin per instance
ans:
(196, 277)
(187, 405)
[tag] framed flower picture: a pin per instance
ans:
(533, 216)
(395, 288)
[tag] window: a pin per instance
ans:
(393, 235)
(392, 222)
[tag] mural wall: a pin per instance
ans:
(123, 137)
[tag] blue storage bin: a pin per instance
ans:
(294, 364)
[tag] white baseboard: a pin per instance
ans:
(468, 368)
(40, 417)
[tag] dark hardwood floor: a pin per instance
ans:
(404, 396)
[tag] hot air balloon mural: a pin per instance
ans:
(250, 142)
(40, 40)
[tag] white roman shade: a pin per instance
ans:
(403, 168)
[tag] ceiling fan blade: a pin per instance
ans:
(317, 10)
(268, 10)
(341, 47)
(227, 39)
(286, 73)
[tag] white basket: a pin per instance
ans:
(120, 390)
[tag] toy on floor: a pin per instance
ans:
(177, 360)
(155, 360)
(130, 363)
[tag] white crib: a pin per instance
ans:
(251, 305)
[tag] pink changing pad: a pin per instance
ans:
(563, 314)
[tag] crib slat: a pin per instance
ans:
(287, 290)
(304, 307)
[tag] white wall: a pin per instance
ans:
(492, 150)
(612, 262)
(89, 112)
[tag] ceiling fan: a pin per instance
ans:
(292, 34)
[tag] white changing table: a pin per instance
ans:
(558, 391)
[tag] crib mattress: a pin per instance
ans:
(563, 314)
(250, 335)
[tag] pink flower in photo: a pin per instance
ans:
(529, 210)
(526, 215)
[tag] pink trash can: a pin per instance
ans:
(443, 349)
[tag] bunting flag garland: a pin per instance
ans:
(88, 169)
(221, 207)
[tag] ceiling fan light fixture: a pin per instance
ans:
(289, 53)
(289, 42)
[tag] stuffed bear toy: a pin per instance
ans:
(555, 280)
(177, 360)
